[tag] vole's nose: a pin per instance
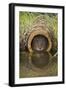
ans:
(40, 48)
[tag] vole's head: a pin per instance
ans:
(39, 43)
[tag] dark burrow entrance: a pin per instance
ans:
(39, 43)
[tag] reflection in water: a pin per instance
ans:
(37, 64)
(40, 59)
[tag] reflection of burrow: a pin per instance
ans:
(39, 61)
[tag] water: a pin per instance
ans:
(38, 64)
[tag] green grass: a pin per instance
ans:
(26, 20)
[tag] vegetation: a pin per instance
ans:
(26, 20)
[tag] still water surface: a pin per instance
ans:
(38, 64)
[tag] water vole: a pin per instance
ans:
(39, 43)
